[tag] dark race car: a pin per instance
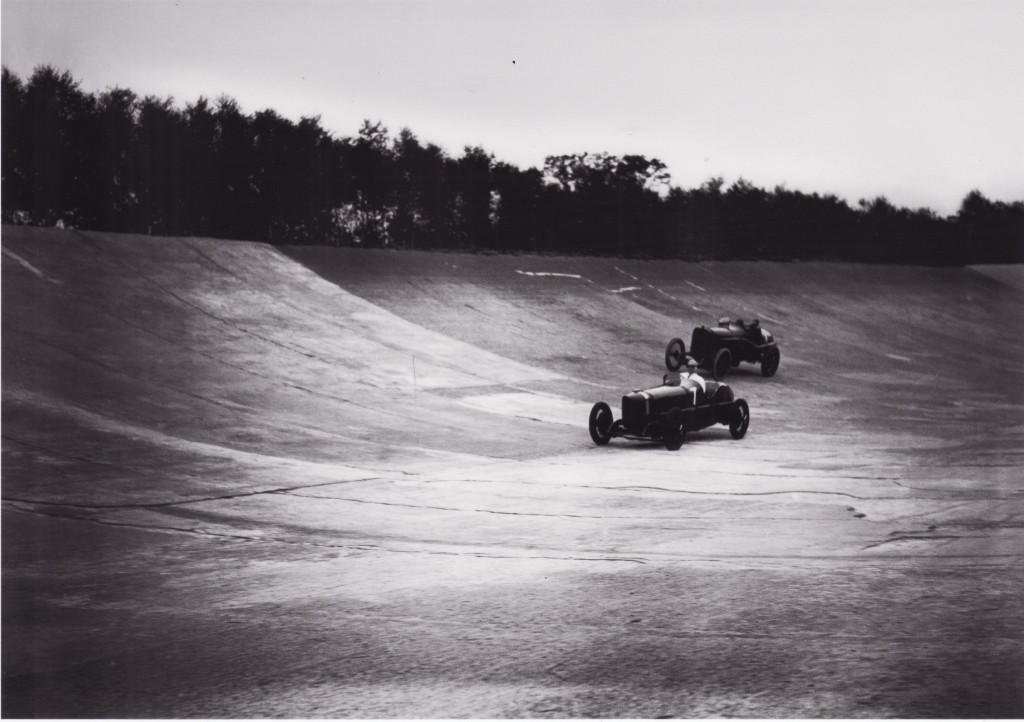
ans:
(723, 347)
(667, 412)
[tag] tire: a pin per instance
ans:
(722, 406)
(724, 395)
(770, 362)
(601, 423)
(739, 425)
(722, 363)
(675, 430)
(675, 354)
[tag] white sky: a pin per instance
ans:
(920, 101)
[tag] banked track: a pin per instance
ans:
(353, 483)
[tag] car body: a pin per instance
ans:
(722, 347)
(666, 412)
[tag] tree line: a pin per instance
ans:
(114, 161)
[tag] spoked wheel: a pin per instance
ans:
(675, 354)
(601, 423)
(770, 362)
(675, 431)
(738, 426)
(722, 364)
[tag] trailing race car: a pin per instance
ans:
(723, 347)
(667, 412)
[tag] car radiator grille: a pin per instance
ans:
(634, 411)
(701, 345)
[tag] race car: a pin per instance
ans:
(724, 346)
(666, 412)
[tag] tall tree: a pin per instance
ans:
(58, 116)
(159, 166)
(113, 161)
(423, 201)
(473, 187)
(612, 201)
(15, 169)
(991, 231)
(116, 201)
(370, 206)
(235, 199)
(199, 169)
(519, 210)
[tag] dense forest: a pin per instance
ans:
(113, 161)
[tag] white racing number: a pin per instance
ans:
(697, 379)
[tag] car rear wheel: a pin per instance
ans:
(723, 395)
(675, 354)
(722, 363)
(770, 362)
(740, 423)
(601, 423)
(675, 430)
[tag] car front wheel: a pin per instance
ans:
(770, 362)
(601, 423)
(740, 423)
(675, 431)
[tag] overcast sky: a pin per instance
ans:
(920, 101)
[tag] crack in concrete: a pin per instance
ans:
(176, 344)
(806, 491)
(551, 670)
(727, 472)
(959, 496)
(721, 558)
(73, 457)
(159, 504)
(231, 406)
(305, 311)
(671, 491)
(512, 513)
(138, 273)
(350, 547)
(117, 371)
(917, 537)
(749, 493)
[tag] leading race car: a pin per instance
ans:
(723, 347)
(665, 413)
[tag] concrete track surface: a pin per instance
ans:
(348, 483)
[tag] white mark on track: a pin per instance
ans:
(696, 286)
(899, 358)
(547, 273)
(627, 288)
(649, 285)
(15, 257)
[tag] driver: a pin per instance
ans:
(696, 378)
